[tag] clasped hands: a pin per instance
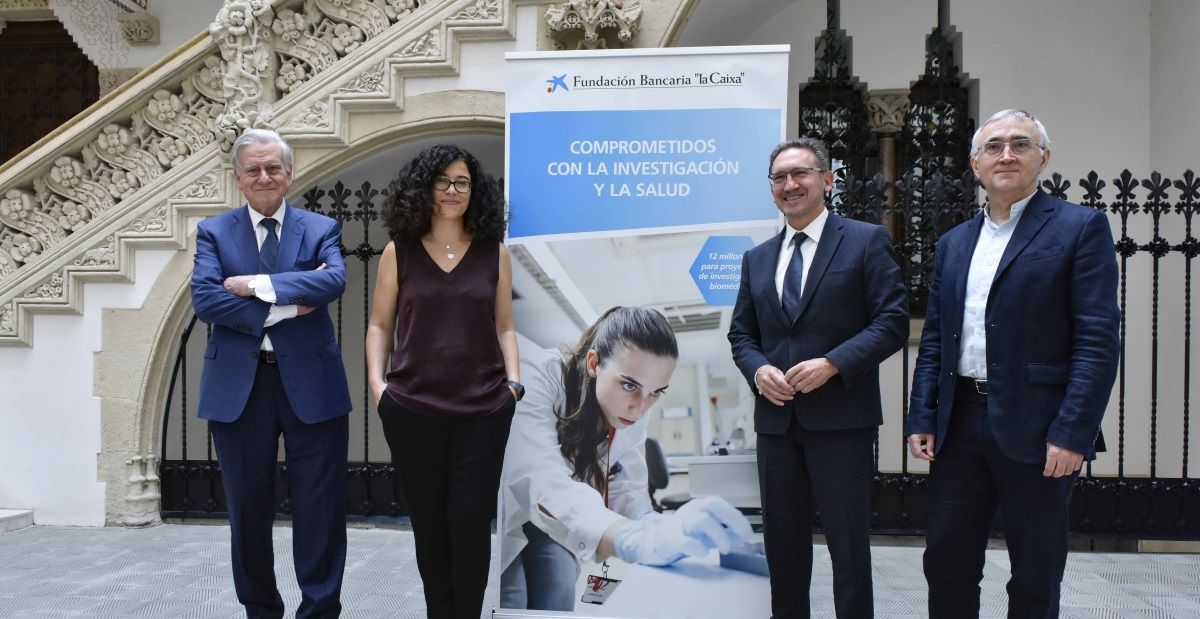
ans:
(804, 377)
(240, 285)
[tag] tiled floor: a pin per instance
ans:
(182, 571)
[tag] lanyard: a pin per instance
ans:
(612, 433)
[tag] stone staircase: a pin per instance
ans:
(128, 171)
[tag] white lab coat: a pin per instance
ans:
(536, 473)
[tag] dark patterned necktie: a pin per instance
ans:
(268, 254)
(794, 278)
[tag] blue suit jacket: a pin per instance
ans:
(1053, 339)
(310, 361)
(852, 311)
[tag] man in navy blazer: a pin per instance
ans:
(264, 276)
(820, 306)
(1017, 361)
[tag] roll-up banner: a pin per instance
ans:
(633, 177)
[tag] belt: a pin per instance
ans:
(265, 356)
(979, 386)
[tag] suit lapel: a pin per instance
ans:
(242, 231)
(289, 242)
(831, 237)
(1036, 214)
(958, 265)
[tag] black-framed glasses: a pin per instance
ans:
(461, 185)
(1018, 147)
(798, 174)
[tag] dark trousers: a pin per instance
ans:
(450, 471)
(316, 463)
(970, 479)
(798, 473)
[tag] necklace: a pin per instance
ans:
(449, 250)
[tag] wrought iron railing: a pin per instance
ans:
(1153, 220)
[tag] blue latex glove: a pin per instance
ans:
(700, 525)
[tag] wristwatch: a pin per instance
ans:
(517, 388)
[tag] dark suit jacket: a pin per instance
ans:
(853, 311)
(310, 361)
(1053, 339)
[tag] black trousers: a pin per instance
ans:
(316, 461)
(800, 472)
(970, 479)
(450, 471)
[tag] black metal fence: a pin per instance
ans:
(1148, 493)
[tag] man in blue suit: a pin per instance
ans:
(264, 276)
(820, 306)
(1017, 361)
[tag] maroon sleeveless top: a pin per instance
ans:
(446, 359)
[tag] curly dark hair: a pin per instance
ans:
(582, 429)
(408, 210)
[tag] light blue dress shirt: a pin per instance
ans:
(993, 238)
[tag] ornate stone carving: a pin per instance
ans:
(139, 28)
(49, 288)
(104, 254)
(483, 10)
(111, 78)
(887, 109)
(75, 193)
(241, 32)
(369, 81)
(594, 24)
(154, 221)
(28, 10)
(94, 26)
(397, 9)
(7, 324)
(202, 188)
(428, 45)
(315, 117)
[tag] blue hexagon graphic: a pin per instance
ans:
(717, 270)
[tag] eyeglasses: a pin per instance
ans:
(461, 185)
(797, 174)
(1017, 147)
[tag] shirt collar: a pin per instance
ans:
(813, 229)
(256, 217)
(1014, 213)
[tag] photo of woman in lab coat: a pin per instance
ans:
(574, 484)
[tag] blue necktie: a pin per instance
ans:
(268, 254)
(793, 279)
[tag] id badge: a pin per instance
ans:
(598, 589)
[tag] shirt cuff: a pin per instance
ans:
(279, 313)
(263, 289)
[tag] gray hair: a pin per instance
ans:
(259, 136)
(812, 145)
(1043, 137)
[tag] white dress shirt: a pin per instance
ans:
(993, 239)
(808, 249)
(263, 289)
(536, 483)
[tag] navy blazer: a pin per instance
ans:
(1053, 339)
(310, 360)
(853, 311)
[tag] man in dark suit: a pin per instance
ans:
(263, 277)
(1017, 361)
(820, 306)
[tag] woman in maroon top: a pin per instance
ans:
(447, 390)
